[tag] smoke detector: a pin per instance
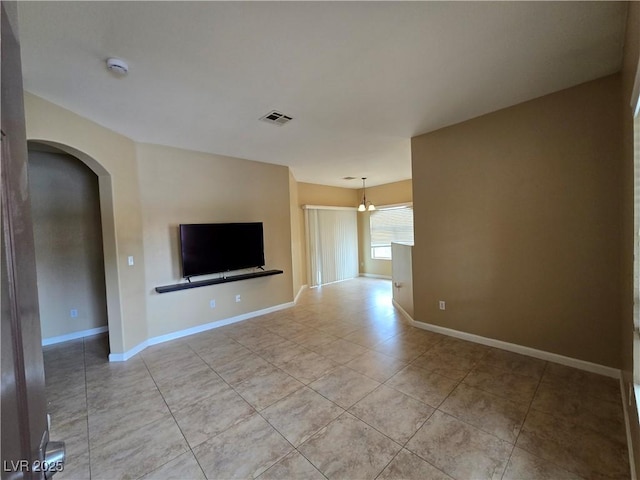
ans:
(117, 66)
(276, 118)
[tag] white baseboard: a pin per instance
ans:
(302, 289)
(375, 275)
(627, 424)
(404, 313)
(74, 336)
(121, 357)
(512, 347)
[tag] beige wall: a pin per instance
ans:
(387, 194)
(180, 186)
(112, 157)
(65, 207)
(630, 67)
(313, 194)
(297, 237)
(517, 224)
(145, 192)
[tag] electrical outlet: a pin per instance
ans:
(238, 298)
(212, 303)
(74, 313)
(442, 305)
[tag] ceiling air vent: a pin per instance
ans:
(348, 178)
(276, 118)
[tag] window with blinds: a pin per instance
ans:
(389, 225)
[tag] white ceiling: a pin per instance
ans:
(359, 78)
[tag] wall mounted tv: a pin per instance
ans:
(220, 247)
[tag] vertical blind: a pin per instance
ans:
(332, 244)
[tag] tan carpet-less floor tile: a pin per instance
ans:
(116, 419)
(573, 447)
(293, 466)
(496, 415)
(66, 403)
(393, 413)
(344, 386)
(75, 434)
(376, 365)
(401, 347)
(288, 330)
(212, 415)
(428, 387)
(243, 451)
(444, 362)
(368, 337)
(103, 379)
(341, 351)
(222, 355)
(301, 414)
(407, 466)
(141, 451)
(182, 362)
(459, 449)
(349, 449)
(237, 371)
(514, 363)
(339, 328)
(523, 465)
(583, 383)
(259, 341)
(462, 348)
(183, 467)
(282, 353)
(313, 338)
(600, 415)
(502, 382)
(183, 391)
(75, 467)
(421, 337)
(308, 366)
(132, 420)
(267, 387)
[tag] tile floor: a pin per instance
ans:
(339, 386)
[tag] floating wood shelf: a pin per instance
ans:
(214, 281)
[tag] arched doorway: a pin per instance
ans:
(108, 269)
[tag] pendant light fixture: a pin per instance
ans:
(365, 205)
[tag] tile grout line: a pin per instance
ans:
(525, 418)
(175, 421)
(259, 412)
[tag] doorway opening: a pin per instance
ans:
(71, 203)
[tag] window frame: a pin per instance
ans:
(382, 208)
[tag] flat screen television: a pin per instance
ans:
(220, 247)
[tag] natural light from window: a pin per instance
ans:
(393, 224)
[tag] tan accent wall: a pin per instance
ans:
(65, 208)
(297, 237)
(517, 224)
(180, 186)
(113, 158)
(314, 194)
(386, 194)
(629, 69)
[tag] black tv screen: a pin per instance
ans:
(220, 247)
